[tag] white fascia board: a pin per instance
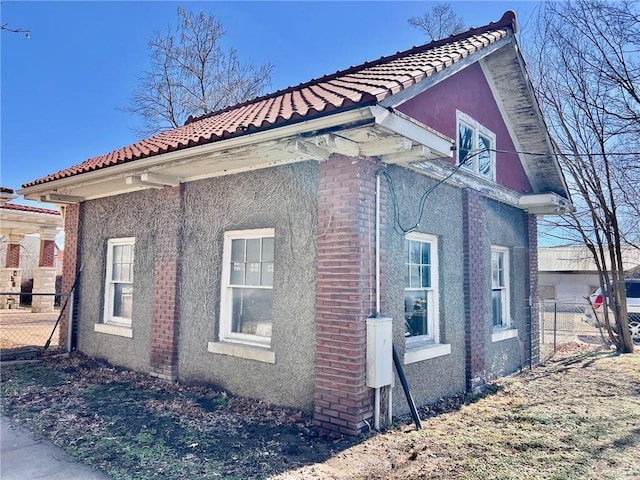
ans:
(405, 126)
(410, 92)
(156, 162)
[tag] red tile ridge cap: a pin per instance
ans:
(508, 20)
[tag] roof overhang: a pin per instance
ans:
(370, 131)
(546, 204)
(512, 89)
(20, 223)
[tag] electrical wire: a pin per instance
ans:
(399, 229)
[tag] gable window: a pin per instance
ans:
(247, 287)
(118, 303)
(421, 289)
(476, 147)
(500, 287)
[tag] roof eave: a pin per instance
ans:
(65, 190)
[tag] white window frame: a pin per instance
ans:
(226, 303)
(478, 129)
(505, 289)
(433, 323)
(109, 290)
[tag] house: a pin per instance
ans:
(249, 247)
(569, 274)
(28, 248)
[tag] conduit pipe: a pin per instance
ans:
(376, 418)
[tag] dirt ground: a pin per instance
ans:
(577, 416)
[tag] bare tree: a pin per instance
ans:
(191, 74)
(588, 80)
(439, 22)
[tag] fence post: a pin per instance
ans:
(555, 325)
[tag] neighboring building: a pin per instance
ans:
(28, 248)
(569, 274)
(240, 249)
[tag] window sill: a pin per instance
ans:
(258, 354)
(425, 352)
(110, 329)
(500, 334)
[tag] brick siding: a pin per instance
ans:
(47, 253)
(70, 267)
(345, 294)
(165, 323)
(13, 255)
(533, 335)
(475, 274)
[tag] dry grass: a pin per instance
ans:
(577, 417)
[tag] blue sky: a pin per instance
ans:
(62, 87)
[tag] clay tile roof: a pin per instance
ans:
(27, 208)
(357, 86)
(6, 190)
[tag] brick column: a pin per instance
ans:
(72, 261)
(13, 251)
(165, 323)
(44, 277)
(475, 281)
(345, 294)
(532, 344)
(11, 275)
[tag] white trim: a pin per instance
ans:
(226, 335)
(506, 307)
(500, 334)
(410, 128)
(478, 130)
(413, 355)
(109, 291)
(259, 354)
(113, 329)
(434, 307)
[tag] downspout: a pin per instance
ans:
(376, 411)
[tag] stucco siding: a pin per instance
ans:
(131, 215)
(282, 198)
(443, 217)
(445, 375)
(507, 227)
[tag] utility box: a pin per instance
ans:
(379, 352)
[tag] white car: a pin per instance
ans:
(632, 286)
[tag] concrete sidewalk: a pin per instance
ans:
(25, 457)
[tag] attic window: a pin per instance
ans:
(476, 146)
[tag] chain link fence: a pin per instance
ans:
(24, 332)
(563, 323)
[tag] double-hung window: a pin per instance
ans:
(500, 287)
(118, 303)
(421, 289)
(247, 287)
(476, 147)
